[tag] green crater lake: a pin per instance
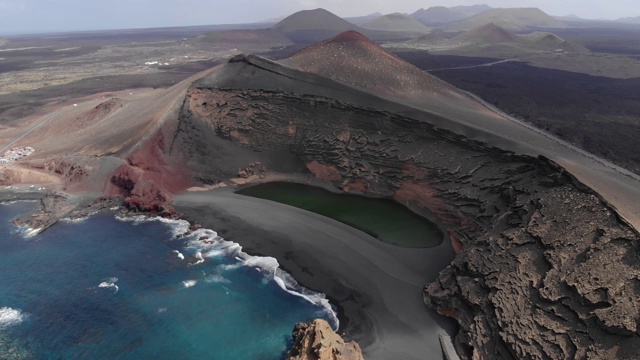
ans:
(383, 219)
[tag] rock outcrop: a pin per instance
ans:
(554, 277)
(151, 175)
(317, 341)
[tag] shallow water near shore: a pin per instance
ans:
(104, 289)
(383, 219)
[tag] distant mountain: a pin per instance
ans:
(492, 41)
(359, 20)
(630, 20)
(429, 39)
(439, 15)
(515, 19)
(313, 25)
(398, 23)
(547, 40)
(571, 17)
(471, 9)
(487, 34)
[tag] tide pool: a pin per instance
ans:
(104, 288)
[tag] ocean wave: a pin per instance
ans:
(78, 220)
(199, 258)
(189, 283)
(11, 317)
(26, 232)
(109, 283)
(178, 254)
(178, 227)
(12, 202)
(206, 244)
(289, 284)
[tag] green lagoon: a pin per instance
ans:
(383, 219)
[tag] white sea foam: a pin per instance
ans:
(228, 267)
(12, 202)
(11, 317)
(198, 256)
(26, 232)
(178, 227)
(268, 266)
(206, 244)
(78, 219)
(289, 284)
(110, 283)
(74, 220)
(178, 254)
(189, 283)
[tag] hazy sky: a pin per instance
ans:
(28, 16)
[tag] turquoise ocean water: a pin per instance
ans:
(106, 288)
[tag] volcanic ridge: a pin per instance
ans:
(437, 15)
(398, 23)
(514, 19)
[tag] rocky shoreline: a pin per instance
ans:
(316, 340)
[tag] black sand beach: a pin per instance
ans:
(377, 287)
